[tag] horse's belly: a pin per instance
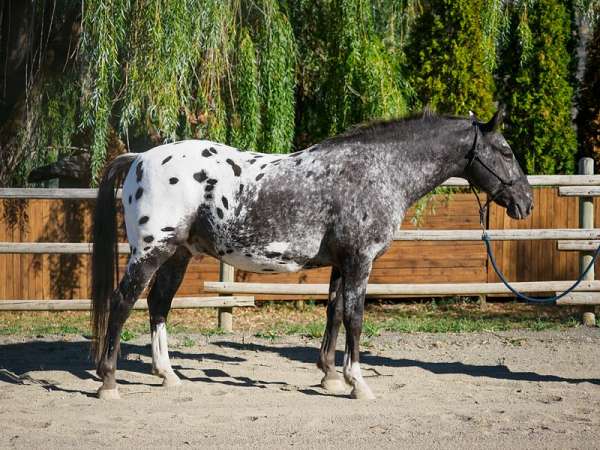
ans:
(274, 257)
(259, 265)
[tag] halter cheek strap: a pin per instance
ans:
(474, 156)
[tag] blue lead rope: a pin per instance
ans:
(535, 300)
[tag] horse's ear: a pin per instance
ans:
(494, 122)
(473, 118)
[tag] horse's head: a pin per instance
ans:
(493, 168)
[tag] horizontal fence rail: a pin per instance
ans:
(579, 246)
(402, 235)
(53, 247)
(400, 289)
(496, 235)
(565, 181)
(579, 191)
(85, 304)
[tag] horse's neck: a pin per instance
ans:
(427, 165)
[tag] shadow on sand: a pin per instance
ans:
(18, 359)
(500, 372)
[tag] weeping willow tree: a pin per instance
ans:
(349, 63)
(39, 103)
(140, 73)
(245, 112)
(211, 69)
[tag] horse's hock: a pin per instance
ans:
(421, 262)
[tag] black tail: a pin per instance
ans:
(104, 251)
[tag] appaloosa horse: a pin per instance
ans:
(337, 203)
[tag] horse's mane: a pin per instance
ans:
(387, 128)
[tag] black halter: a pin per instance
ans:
(474, 156)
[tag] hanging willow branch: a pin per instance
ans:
(104, 31)
(277, 56)
(245, 109)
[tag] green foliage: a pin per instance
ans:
(59, 115)
(348, 64)
(269, 75)
(104, 31)
(588, 118)
(245, 113)
(208, 69)
(362, 83)
(127, 335)
(537, 92)
(447, 67)
(277, 53)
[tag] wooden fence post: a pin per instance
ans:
(227, 274)
(586, 220)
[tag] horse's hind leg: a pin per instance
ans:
(168, 279)
(335, 308)
(138, 274)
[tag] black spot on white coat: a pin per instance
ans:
(237, 170)
(139, 172)
(200, 176)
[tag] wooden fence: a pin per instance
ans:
(44, 252)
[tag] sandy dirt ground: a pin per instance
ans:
(484, 390)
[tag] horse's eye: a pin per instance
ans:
(506, 151)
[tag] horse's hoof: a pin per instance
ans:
(362, 393)
(108, 394)
(335, 385)
(171, 380)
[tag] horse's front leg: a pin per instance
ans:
(332, 381)
(355, 276)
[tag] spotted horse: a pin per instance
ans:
(337, 203)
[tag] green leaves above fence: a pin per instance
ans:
(271, 75)
(537, 92)
(188, 69)
(447, 67)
